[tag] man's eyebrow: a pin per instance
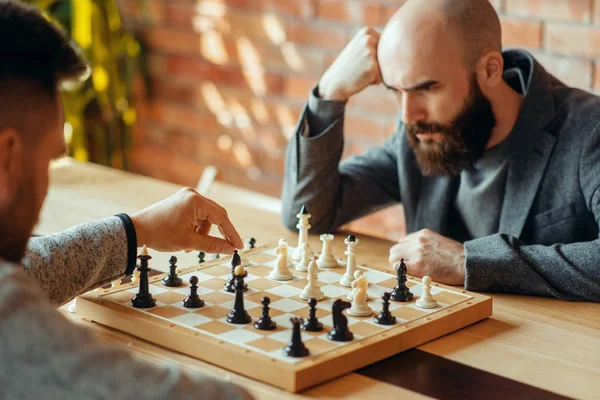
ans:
(418, 87)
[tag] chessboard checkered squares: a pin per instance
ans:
(216, 327)
(190, 319)
(185, 290)
(284, 290)
(240, 336)
(375, 276)
(329, 277)
(333, 291)
(200, 275)
(287, 305)
(248, 305)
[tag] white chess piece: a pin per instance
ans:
(351, 241)
(281, 272)
(307, 255)
(357, 274)
(312, 290)
(326, 259)
(287, 256)
(426, 300)
(303, 227)
(359, 307)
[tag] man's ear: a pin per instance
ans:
(11, 165)
(490, 69)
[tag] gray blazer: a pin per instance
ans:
(547, 243)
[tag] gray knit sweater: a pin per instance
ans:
(44, 356)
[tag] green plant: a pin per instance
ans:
(99, 116)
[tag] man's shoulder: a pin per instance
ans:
(577, 111)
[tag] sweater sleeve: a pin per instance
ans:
(79, 259)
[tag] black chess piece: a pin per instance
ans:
(340, 331)
(312, 324)
(172, 280)
(201, 256)
(295, 347)
(230, 284)
(385, 317)
(193, 300)
(251, 243)
(265, 323)
(401, 292)
(144, 298)
(216, 256)
(239, 315)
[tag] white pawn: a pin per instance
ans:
(348, 277)
(326, 259)
(303, 227)
(359, 307)
(357, 274)
(426, 300)
(312, 290)
(307, 255)
(281, 272)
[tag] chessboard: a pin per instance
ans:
(204, 333)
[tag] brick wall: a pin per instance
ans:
(228, 79)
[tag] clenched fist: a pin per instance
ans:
(183, 222)
(354, 69)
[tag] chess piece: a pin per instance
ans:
(265, 323)
(135, 277)
(312, 324)
(172, 280)
(295, 347)
(401, 292)
(303, 227)
(193, 300)
(251, 243)
(144, 298)
(351, 241)
(116, 283)
(216, 256)
(281, 272)
(340, 331)
(426, 300)
(326, 258)
(350, 296)
(360, 308)
(284, 245)
(385, 317)
(230, 284)
(307, 254)
(312, 290)
(239, 315)
(201, 256)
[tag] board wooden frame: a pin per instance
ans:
(291, 377)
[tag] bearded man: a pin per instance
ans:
(495, 161)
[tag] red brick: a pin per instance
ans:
(572, 71)
(571, 10)
(354, 11)
(520, 32)
(297, 8)
(568, 39)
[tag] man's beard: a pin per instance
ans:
(464, 141)
(17, 223)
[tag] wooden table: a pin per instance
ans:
(528, 343)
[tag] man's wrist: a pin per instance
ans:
(131, 233)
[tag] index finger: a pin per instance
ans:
(218, 216)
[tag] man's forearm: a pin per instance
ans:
(80, 259)
(501, 263)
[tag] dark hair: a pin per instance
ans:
(35, 50)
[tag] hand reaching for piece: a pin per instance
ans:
(183, 222)
(428, 253)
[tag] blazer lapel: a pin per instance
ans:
(532, 146)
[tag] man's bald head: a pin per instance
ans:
(473, 23)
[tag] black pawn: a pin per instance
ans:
(172, 280)
(401, 292)
(201, 256)
(295, 347)
(385, 317)
(193, 300)
(265, 323)
(251, 242)
(239, 315)
(230, 284)
(144, 298)
(312, 324)
(216, 256)
(340, 331)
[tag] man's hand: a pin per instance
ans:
(354, 69)
(428, 253)
(183, 222)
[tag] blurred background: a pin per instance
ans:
(178, 85)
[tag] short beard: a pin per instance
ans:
(16, 225)
(465, 139)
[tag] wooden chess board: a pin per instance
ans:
(204, 333)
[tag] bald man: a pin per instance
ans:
(496, 162)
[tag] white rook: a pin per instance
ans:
(326, 258)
